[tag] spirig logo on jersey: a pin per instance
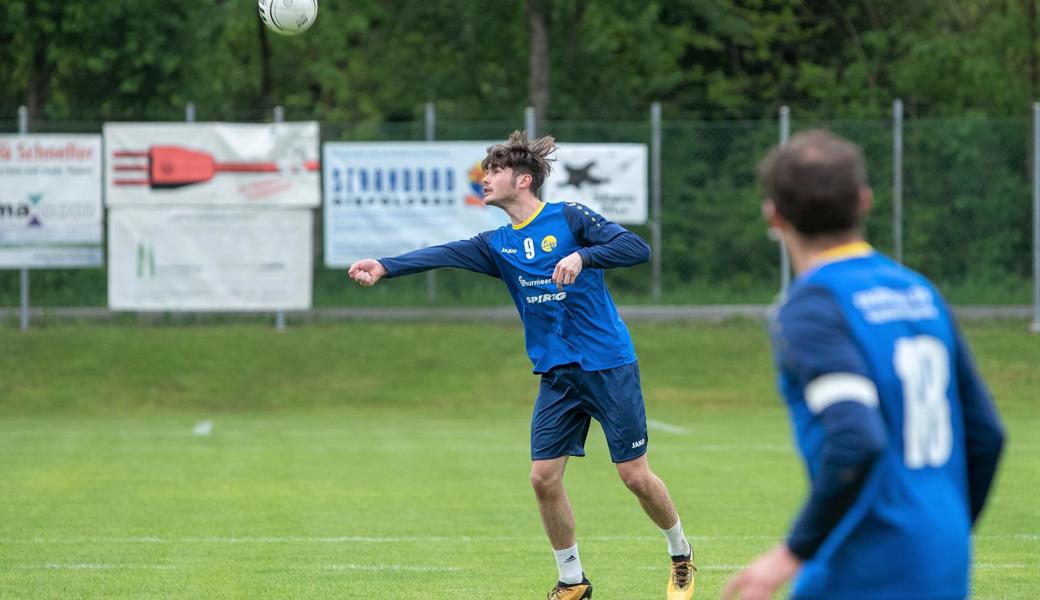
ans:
(546, 298)
(639, 444)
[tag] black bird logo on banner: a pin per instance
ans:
(579, 176)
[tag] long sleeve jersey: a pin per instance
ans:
(579, 324)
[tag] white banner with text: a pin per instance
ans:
(50, 201)
(608, 178)
(387, 198)
(204, 164)
(202, 259)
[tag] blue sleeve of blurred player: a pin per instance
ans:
(819, 351)
(983, 431)
(473, 254)
(605, 244)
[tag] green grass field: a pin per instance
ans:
(391, 461)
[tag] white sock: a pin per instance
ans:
(677, 543)
(569, 564)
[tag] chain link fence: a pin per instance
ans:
(965, 207)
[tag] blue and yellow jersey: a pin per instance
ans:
(578, 324)
(860, 331)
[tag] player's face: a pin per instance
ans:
(499, 186)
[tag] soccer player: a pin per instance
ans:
(551, 259)
(897, 430)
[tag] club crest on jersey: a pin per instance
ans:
(548, 243)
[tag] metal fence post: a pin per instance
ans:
(277, 116)
(23, 277)
(785, 258)
(189, 112)
(897, 179)
(1035, 327)
(530, 122)
(431, 135)
(655, 200)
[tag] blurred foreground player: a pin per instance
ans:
(551, 259)
(898, 432)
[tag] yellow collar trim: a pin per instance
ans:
(842, 252)
(528, 220)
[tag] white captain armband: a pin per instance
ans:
(839, 387)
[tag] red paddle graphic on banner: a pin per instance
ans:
(173, 166)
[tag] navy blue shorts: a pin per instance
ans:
(569, 397)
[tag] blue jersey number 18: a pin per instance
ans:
(923, 364)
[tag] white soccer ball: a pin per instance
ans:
(288, 17)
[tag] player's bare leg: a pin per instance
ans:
(553, 503)
(558, 520)
(657, 503)
(650, 490)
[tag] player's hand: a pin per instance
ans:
(567, 270)
(760, 579)
(366, 272)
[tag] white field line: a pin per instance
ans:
(759, 447)
(1008, 566)
(666, 427)
(412, 568)
(354, 539)
(92, 567)
(257, 435)
(729, 568)
(984, 566)
(463, 539)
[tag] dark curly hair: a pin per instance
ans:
(523, 156)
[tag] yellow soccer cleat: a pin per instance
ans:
(680, 582)
(577, 591)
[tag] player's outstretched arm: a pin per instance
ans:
(473, 254)
(366, 271)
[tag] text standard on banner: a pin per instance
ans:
(386, 198)
(50, 201)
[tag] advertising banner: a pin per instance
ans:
(608, 178)
(200, 164)
(50, 201)
(385, 198)
(202, 259)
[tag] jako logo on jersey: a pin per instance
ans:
(546, 298)
(548, 243)
(508, 250)
(641, 442)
